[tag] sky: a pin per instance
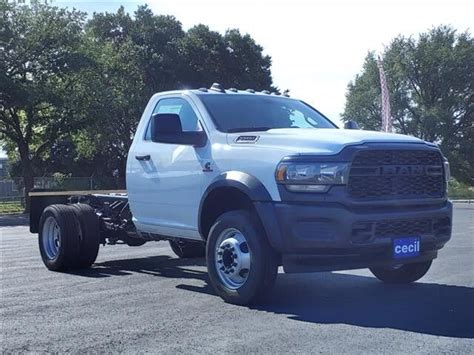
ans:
(318, 46)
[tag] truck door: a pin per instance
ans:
(165, 181)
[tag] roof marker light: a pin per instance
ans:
(217, 87)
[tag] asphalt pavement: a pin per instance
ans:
(144, 299)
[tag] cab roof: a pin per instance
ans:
(217, 88)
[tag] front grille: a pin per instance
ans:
(378, 174)
(397, 157)
(403, 228)
(364, 232)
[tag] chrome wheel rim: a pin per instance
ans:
(232, 258)
(51, 238)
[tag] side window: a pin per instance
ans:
(189, 120)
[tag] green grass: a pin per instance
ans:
(11, 207)
(458, 190)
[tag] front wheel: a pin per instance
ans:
(241, 264)
(403, 273)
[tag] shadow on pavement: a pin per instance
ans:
(333, 298)
(13, 220)
(160, 265)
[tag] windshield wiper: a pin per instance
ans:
(248, 129)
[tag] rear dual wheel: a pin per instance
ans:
(68, 237)
(90, 238)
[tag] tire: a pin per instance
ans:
(90, 235)
(185, 249)
(59, 237)
(403, 273)
(245, 235)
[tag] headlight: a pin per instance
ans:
(312, 177)
(447, 171)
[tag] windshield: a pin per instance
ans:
(241, 113)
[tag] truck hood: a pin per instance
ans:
(316, 141)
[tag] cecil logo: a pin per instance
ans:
(406, 247)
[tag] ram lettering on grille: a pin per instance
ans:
(392, 174)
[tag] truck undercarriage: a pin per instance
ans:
(113, 213)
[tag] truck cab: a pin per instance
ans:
(262, 180)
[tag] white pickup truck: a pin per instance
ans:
(254, 180)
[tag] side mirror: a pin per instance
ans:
(166, 128)
(351, 125)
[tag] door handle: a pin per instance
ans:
(142, 157)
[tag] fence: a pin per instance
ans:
(12, 192)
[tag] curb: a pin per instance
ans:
(469, 201)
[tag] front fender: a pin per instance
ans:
(257, 194)
(246, 183)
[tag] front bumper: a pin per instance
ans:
(331, 236)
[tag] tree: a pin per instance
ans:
(72, 92)
(246, 64)
(39, 57)
(157, 38)
(232, 60)
(119, 98)
(134, 57)
(431, 84)
(141, 55)
(205, 53)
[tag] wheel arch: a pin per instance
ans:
(229, 191)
